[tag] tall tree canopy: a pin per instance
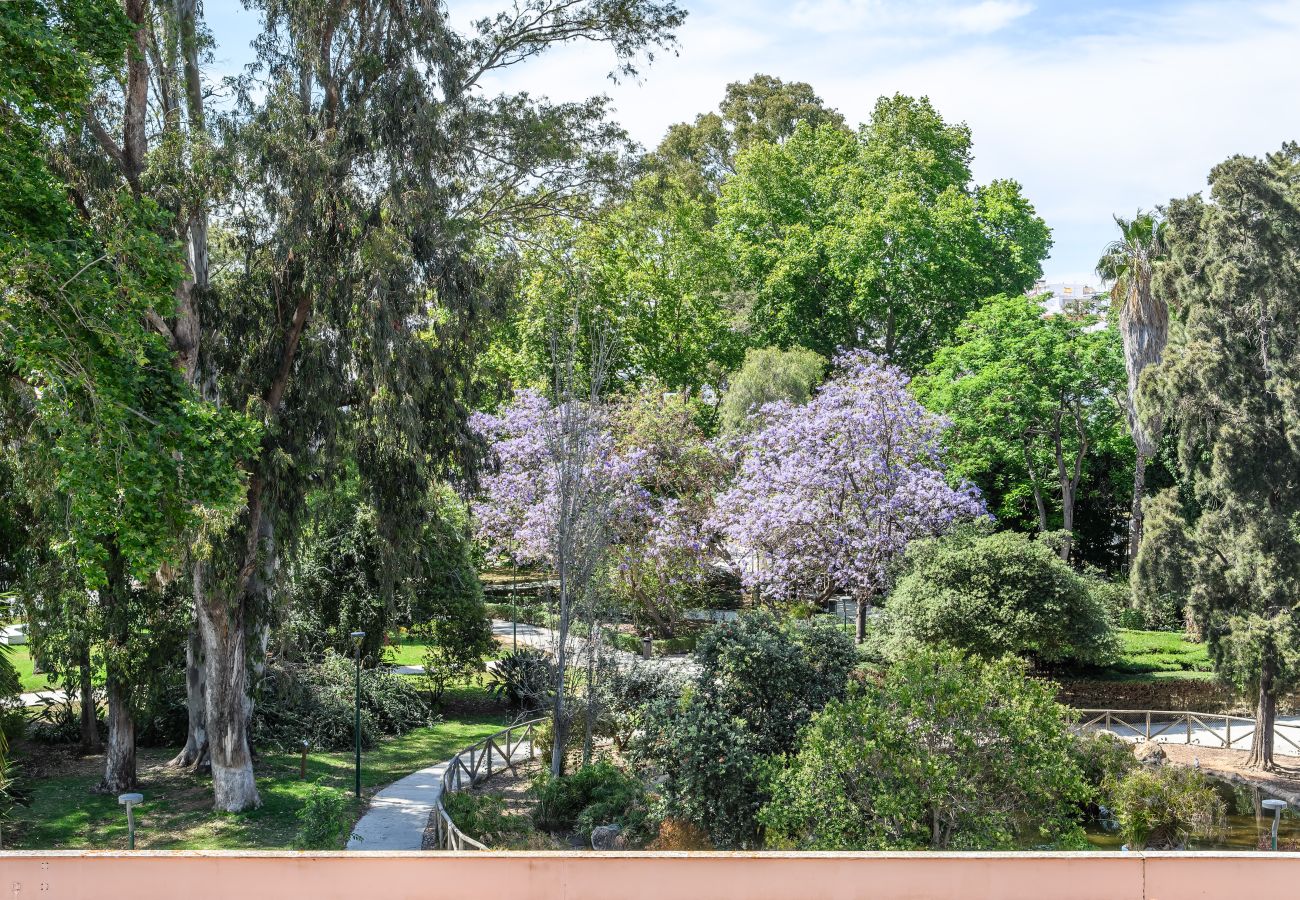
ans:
(876, 240)
(1036, 405)
(1229, 385)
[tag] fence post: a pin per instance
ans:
(1147, 736)
(1227, 731)
(1108, 720)
(1188, 720)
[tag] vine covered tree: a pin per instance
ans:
(1129, 264)
(1229, 386)
(829, 494)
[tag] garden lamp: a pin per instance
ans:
(131, 800)
(356, 637)
(1276, 806)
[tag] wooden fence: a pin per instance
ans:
(1154, 724)
(474, 764)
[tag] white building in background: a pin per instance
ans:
(1070, 297)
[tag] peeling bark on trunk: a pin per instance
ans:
(1135, 516)
(194, 755)
(860, 618)
(90, 739)
(119, 755)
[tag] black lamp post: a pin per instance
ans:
(356, 726)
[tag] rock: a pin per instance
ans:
(1149, 753)
(607, 837)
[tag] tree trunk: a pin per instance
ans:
(559, 715)
(1135, 516)
(1261, 748)
(90, 740)
(860, 617)
(194, 755)
(222, 625)
(119, 758)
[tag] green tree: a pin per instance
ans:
(994, 594)
(1129, 264)
(946, 753)
(768, 375)
(698, 156)
(1229, 386)
(1035, 401)
(877, 240)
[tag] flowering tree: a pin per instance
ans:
(830, 493)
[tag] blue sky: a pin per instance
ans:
(1095, 107)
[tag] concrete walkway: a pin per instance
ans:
(399, 814)
(44, 698)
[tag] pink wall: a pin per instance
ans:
(71, 875)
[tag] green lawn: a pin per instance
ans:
(21, 657)
(1161, 654)
(62, 813)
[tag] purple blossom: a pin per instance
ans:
(828, 494)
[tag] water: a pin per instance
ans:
(1244, 830)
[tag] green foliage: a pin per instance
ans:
(768, 375)
(484, 817)
(993, 594)
(314, 702)
(1165, 807)
(625, 694)
(524, 678)
(597, 794)
(1104, 760)
(1160, 651)
(828, 231)
(325, 818)
(947, 752)
(1030, 398)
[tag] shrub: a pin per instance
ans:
(314, 702)
(484, 818)
(1104, 759)
(1163, 808)
(678, 834)
(990, 594)
(624, 695)
(947, 752)
(525, 678)
(324, 819)
(596, 794)
(458, 638)
(769, 375)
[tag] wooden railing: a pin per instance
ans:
(1155, 724)
(474, 764)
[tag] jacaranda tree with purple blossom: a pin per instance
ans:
(828, 494)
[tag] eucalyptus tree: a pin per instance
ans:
(1129, 264)
(1229, 386)
(374, 183)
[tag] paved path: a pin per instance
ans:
(44, 698)
(399, 814)
(1213, 735)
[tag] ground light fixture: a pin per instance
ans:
(1276, 806)
(130, 801)
(356, 726)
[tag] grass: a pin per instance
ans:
(21, 657)
(60, 812)
(1160, 654)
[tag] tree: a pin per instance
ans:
(1033, 399)
(994, 594)
(1129, 264)
(829, 494)
(1229, 386)
(699, 156)
(768, 376)
(877, 240)
(945, 753)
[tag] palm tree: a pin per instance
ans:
(1144, 325)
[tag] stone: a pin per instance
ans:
(1149, 753)
(607, 837)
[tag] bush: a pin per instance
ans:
(948, 752)
(484, 818)
(624, 695)
(324, 819)
(991, 594)
(1163, 808)
(314, 702)
(458, 638)
(1104, 759)
(594, 795)
(524, 678)
(769, 375)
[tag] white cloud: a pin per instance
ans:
(936, 16)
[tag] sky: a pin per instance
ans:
(1096, 108)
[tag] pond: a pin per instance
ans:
(1246, 830)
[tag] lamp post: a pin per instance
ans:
(130, 801)
(1276, 806)
(356, 725)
